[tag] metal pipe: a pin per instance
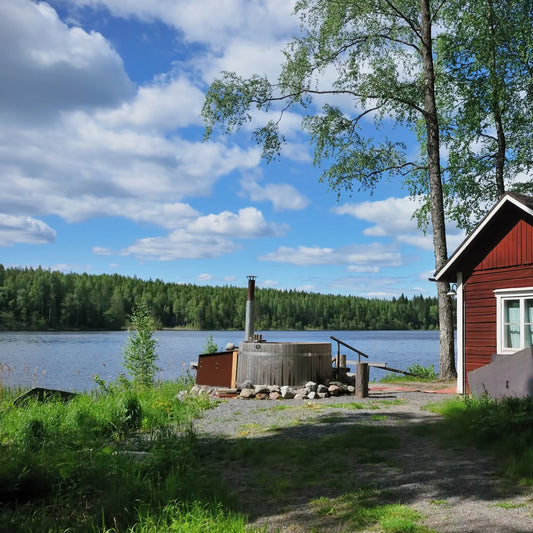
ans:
(249, 324)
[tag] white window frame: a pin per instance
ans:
(502, 296)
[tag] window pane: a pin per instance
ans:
(512, 335)
(529, 311)
(529, 335)
(512, 312)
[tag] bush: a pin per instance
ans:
(424, 372)
(140, 352)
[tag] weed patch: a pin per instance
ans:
(366, 508)
(502, 427)
(103, 461)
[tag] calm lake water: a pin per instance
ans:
(69, 360)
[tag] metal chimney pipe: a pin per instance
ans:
(249, 324)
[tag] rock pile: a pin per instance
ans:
(248, 391)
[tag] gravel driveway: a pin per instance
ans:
(456, 490)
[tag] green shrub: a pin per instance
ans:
(140, 352)
(504, 427)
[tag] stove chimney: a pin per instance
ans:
(249, 324)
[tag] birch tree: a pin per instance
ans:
(378, 56)
(486, 55)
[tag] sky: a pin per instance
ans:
(105, 170)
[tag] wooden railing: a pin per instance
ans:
(340, 356)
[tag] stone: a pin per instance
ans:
(274, 395)
(300, 396)
(303, 392)
(181, 396)
(322, 395)
(351, 389)
(247, 394)
(230, 346)
(262, 396)
(247, 384)
(287, 393)
(334, 390)
(313, 396)
(311, 386)
(261, 389)
(274, 388)
(321, 389)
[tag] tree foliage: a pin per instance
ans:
(38, 299)
(486, 61)
(140, 352)
(352, 61)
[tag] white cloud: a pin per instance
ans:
(209, 21)
(180, 244)
(282, 195)
(362, 256)
(393, 217)
(207, 236)
(24, 229)
(165, 104)
(99, 250)
(204, 277)
(247, 223)
(48, 67)
(104, 147)
(269, 283)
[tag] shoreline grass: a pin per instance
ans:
(125, 460)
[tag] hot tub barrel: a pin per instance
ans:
(284, 363)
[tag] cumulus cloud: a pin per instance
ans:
(206, 236)
(209, 21)
(393, 217)
(48, 67)
(282, 195)
(354, 256)
(247, 223)
(106, 147)
(24, 229)
(166, 104)
(180, 244)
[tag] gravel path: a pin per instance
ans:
(455, 490)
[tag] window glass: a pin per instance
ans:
(511, 324)
(528, 322)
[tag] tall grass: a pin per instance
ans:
(503, 427)
(125, 460)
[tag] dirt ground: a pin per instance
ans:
(454, 489)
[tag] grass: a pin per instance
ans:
(70, 467)
(502, 427)
(364, 507)
(420, 373)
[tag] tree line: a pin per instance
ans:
(39, 299)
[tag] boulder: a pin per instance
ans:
(287, 393)
(247, 394)
(311, 386)
(334, 390)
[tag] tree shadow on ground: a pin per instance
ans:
(355, 459)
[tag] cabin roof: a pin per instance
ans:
(488, 232)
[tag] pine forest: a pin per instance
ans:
(38, 299)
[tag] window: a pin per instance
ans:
(514, 319)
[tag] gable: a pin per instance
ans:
(514, 249)
(503, 238)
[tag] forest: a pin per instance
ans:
(39, 299)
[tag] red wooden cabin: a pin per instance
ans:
(493, 271)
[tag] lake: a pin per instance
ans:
(69, 360)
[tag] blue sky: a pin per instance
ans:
(104, 169)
